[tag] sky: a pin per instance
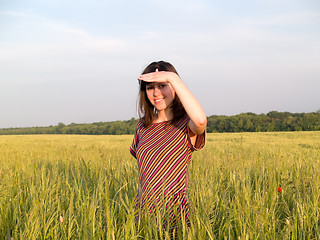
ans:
(78, 61)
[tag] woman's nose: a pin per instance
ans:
(156, 91)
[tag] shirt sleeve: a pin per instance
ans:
(200, 140)
(133, 147)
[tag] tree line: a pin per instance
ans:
(244, 122)
(271, 122)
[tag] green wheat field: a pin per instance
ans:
(83, 187)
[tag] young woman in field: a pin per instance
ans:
(172, 125)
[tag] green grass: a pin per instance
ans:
(83, 187)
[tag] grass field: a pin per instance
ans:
(83, 187)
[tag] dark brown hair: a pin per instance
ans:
(146, 110)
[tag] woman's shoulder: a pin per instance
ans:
(140, 125)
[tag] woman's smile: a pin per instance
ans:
(158, 100)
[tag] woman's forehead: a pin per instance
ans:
(155, 83)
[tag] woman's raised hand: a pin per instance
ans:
(157, 76)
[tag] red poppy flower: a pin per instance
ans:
(279, 189)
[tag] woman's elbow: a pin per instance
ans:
(203, 122)
(201, 126)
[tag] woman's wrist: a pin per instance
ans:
(175, 81)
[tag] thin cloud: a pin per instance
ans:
(18, 14)
(287, 19)
(55, 46)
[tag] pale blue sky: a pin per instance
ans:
(78, 61)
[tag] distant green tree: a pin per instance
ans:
(249, 122)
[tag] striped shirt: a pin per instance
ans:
(163, 152)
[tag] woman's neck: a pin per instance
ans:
(163, 116)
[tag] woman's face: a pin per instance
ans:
(160, 94)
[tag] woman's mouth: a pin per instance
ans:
(158, 100)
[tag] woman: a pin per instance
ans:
(172, 125)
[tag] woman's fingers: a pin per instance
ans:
(149, 77)
(156, 76)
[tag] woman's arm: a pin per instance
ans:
(198, 118)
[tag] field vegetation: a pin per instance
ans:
(242, 186)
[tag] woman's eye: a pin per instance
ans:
(149, 88)
(162, 86)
